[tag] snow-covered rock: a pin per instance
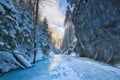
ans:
(51, 54)
(117, 65)
(16, 51)
(2, 43)
(73, 54)
(40, 55)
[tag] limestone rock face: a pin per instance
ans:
(97, 28)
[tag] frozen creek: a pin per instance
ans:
(62, 67)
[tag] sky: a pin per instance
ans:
(54, 11)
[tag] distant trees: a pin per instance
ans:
(43, 37)
(45, 25)
(68, 12)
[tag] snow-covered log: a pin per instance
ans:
(8, 62)
(22, 60)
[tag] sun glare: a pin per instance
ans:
(54, 62)
(55, 16)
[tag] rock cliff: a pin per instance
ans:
(97, 28)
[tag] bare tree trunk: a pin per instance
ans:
(36, 19)
(34, 58)
(37, 10)
(21, 2)
(30, 2)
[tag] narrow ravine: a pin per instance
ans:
(59, 40)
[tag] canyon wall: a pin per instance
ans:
(97, 28)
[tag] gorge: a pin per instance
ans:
(59, 40)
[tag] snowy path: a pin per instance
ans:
(65, 68)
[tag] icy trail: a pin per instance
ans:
(62, 67)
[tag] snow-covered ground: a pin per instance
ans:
(62, 67)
